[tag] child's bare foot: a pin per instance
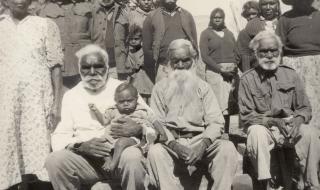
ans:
(106, 167)
(113, 166)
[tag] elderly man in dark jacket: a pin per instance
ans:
(163, 25)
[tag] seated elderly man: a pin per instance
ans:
(194, 123)
(275, 111)
(77, 143)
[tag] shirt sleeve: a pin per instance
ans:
(121, 28)
(301, 102)
(64, 133)
(53, 45)
(212, 115)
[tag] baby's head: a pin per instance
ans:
(126, 97)
(135, 36)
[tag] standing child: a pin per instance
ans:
(135, 60)
(126, 97)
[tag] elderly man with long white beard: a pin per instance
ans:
(78, 142)
(275, 111)
(189, 109)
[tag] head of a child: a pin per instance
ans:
(135, 36)
(126, 97)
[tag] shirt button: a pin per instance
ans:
(103, 28)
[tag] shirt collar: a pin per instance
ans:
(266, 75)
(8, 17)
(177, 9)
(139, 10)
(99, 8)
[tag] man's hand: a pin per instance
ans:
(280, 123)
(182, 151)
(197, 153)
(295, 123)
(125, 127)
(96, 147)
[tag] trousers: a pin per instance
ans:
(69, 171)
(261, 141)
(219, 161)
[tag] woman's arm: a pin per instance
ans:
(56, 78)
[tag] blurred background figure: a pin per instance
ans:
(73, 18)
(2, 7)
(107, 34)
(217, 52)
(139, 77)
(244, 60)
(250, 10)
(163, 25)
(270, 12)
(299, 30)
(34, 7)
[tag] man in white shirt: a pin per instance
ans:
(77, 143)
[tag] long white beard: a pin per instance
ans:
(101, 81)
(182, 86)
(269, 66)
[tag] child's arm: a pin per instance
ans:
(100, 117)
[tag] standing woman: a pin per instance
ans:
(30, 82)
(299, 30)
(217, 51)
(245, 60)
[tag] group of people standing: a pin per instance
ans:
(112, 59)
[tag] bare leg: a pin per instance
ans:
(120, 145)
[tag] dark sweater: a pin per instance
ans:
(173, 31)
(300, 32)
(215, 50)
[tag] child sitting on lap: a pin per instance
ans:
(126, 97)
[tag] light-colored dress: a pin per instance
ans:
(29, 49)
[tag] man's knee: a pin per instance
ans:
(56, 160)
(228, 150)
(155, 151)
(131, 155)
(257, 132)
(309, 132)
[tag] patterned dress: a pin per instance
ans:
(29, 49)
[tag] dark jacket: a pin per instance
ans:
(117, 54)
(73, 21)
(154, 29)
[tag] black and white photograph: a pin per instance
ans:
(159, 95)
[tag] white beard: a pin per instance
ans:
(263, 63)
(182, 84)
(99, 83)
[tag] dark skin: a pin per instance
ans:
(92, 65)
(269, 9)
(181, 59)
(169, 5)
